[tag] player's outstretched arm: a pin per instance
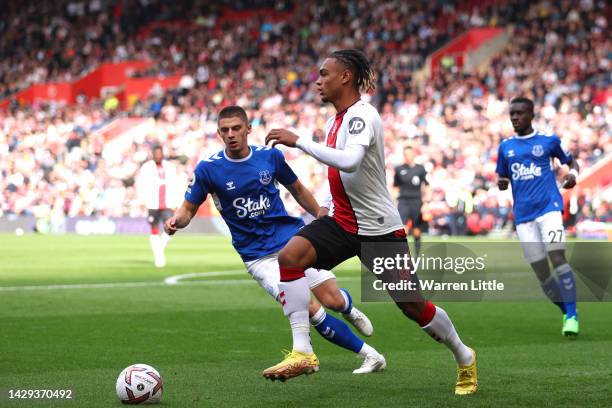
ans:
(181, 218)
(570, 178)
(304, 198)
(347, 160)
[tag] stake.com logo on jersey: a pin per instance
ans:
(522, 172)
(247, 207)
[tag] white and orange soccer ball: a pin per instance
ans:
(140, 384)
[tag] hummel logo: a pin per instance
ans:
(230, 185)
(510, 153)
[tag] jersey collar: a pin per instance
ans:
(532, 134)
(340, 114)
(239, 160)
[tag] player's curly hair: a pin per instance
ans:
(358, 64)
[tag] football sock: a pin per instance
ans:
(551, 289)
(164, 238)
(295, 296)
(441, 329)
(300, 330)
(155, 243)
(348, 301)
(366, 349)
(567, 288)
(336, 331)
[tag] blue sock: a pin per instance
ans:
(349, 301)
(336, 331)
(551, 289)
(567, 288)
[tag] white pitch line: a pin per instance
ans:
(169, 281)
(174, 280)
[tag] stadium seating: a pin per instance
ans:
(51, 155)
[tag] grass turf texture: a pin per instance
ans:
(211, 341)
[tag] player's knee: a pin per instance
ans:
(557, 258)
(296, 255)
(411, 310)
(288, 258)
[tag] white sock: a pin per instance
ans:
(318, 317)
(163, 239)
(295, 298)
(346, 303)
(155, 243)
(367, 349)
(300, 329)
(441, 329)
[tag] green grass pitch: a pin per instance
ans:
(210, 341)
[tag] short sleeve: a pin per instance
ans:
(284, 173)
(199, 186)
(424, 176)
(558, 152)
(396, 177)
(502, 167)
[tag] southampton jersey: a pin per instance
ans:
(362, 203)
(527, 162)
(245, 192)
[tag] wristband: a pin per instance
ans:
(574, 173)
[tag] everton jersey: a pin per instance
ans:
(527, 162)
(245, 191)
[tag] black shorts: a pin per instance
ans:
(334, 245)
(155, 216)
(410, 210)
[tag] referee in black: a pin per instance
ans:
(410, 177)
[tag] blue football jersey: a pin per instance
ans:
(527, 162)
(245, 192)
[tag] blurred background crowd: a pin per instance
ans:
(52, 155)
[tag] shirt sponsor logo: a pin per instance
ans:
(245, 207)
(537, 150)
(356, 125)
(522, 172)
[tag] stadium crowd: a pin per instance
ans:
(52, 158)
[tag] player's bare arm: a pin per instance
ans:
(569, 180)
(181, 218)
(304, 198)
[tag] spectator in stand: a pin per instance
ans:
(455, 119)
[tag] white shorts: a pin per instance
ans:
(542, 235)
(267, 273)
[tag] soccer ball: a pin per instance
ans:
(139, 384)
